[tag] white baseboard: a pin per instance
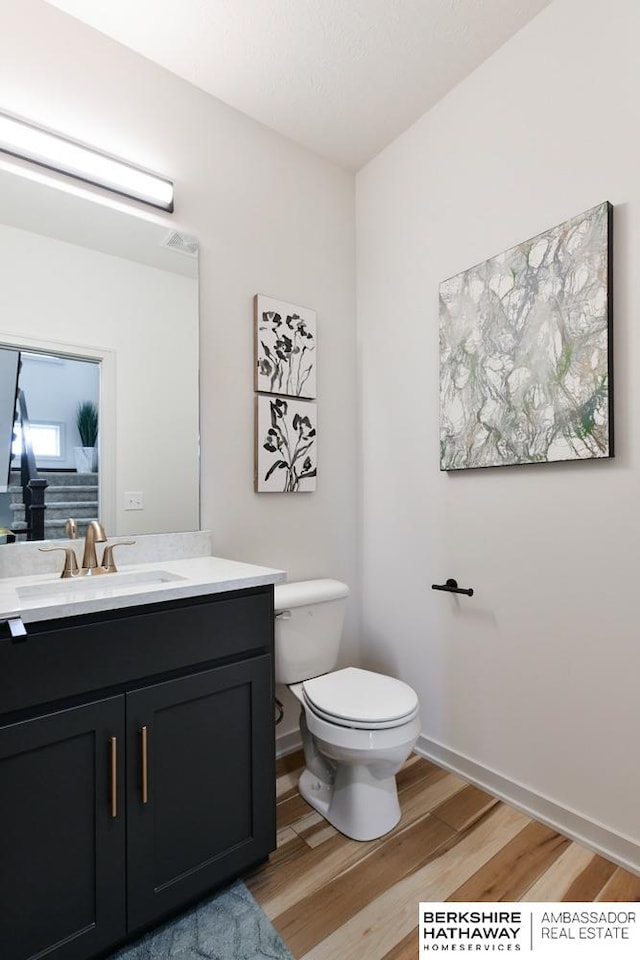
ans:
(288, 743)
(619, 849)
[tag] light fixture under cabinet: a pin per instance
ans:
(24, 140)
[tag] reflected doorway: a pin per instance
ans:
(61, 396)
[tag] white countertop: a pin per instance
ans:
(48, 597)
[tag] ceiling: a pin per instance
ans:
(340, 77)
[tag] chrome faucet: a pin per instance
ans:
(95, 534)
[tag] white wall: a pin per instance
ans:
(271, 218)
(535, 678)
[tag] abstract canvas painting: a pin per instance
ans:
(285, 348)
(525, 351)
(286, 434)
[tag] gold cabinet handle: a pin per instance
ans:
(144, 755)
(113, 744)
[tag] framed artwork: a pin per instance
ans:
(285, 348)
(286, 451)
(526, 351)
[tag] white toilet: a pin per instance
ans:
(357, 727)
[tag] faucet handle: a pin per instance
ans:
(108, 563)
(70, 568)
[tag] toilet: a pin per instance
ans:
(357, 727)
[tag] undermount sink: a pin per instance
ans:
(102, 585)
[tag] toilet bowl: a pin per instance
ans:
(351, 762)
(358, 727)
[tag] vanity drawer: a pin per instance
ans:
(75, 656)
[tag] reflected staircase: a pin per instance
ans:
(68, 495)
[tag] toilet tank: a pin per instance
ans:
(308, 629)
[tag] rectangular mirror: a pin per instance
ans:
(86, 282)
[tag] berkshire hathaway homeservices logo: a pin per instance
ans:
(561, 930)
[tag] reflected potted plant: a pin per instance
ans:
(87, 424)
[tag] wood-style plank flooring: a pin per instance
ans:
(332, 898)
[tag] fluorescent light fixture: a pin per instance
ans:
(22, 139)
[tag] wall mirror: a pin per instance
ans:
(84, 281)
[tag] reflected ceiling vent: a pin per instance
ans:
(181, 243)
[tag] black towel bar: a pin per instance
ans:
(451, 586)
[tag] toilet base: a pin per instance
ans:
(357, 804)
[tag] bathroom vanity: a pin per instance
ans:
(136, 749)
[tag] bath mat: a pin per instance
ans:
(231, 926)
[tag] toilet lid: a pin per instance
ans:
(355, 697)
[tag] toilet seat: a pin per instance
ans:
(361, 699)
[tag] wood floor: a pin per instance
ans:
(332, 898)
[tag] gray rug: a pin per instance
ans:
(231, 926)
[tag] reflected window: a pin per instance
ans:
(46, 440)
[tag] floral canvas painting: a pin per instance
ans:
(525, 351)
(285, 348)
(286, 451)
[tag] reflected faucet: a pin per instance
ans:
(71, 529)
(95, 534)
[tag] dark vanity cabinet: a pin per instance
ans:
(136, 768)
(197, 811)
(62, 854)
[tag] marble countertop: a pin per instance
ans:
(48, 597)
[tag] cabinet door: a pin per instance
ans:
(62, 837)
(201, 784)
